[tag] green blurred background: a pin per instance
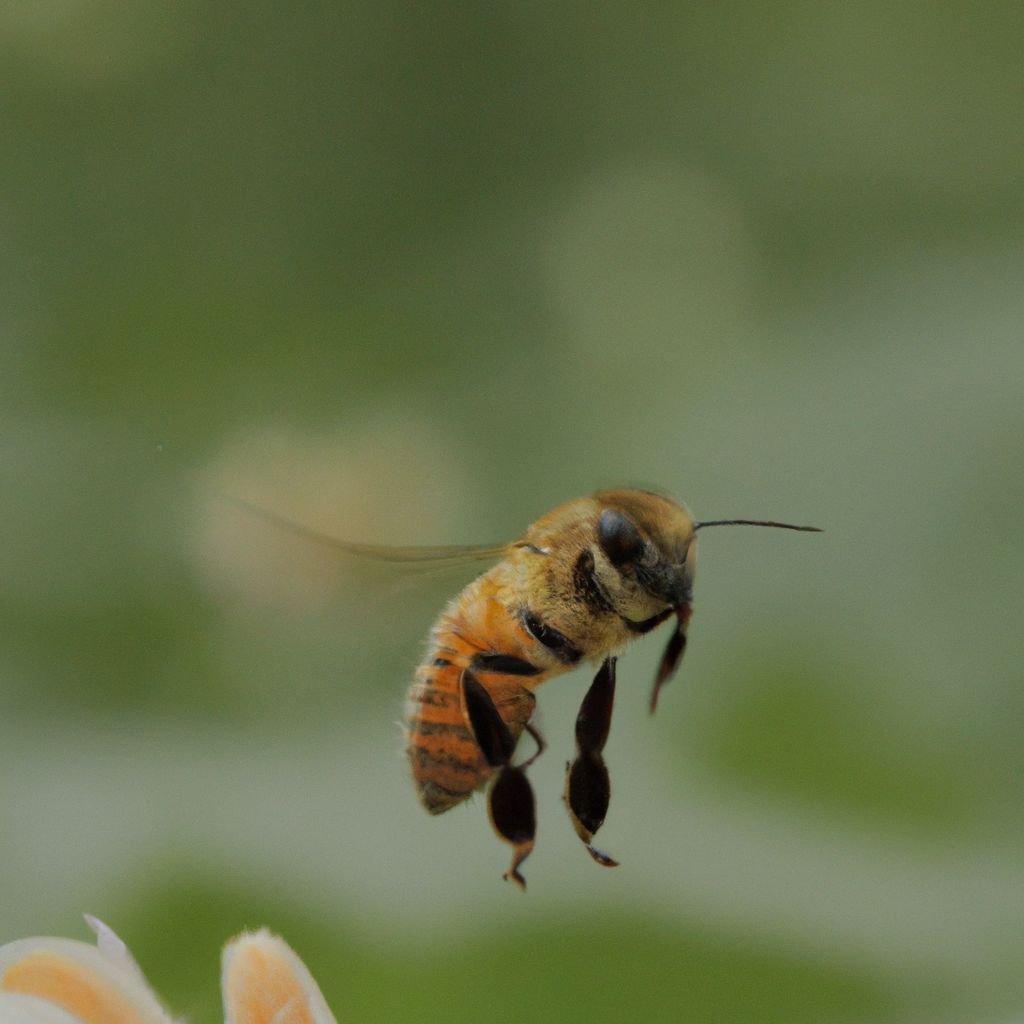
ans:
(416, 274)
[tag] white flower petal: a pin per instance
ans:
(29, 1010)
(95, 987)
(108, 942)
(264, 982)
(112, 946)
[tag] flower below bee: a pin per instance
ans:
(62, 981)
(264, 982)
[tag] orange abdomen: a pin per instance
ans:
(447, 764)
(477, 633)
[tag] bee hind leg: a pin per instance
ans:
(587, 786)
(513, 815)
(510, 802)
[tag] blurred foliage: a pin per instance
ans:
(528, 970)
(788, 732)
(415, 275)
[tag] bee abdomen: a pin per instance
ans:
(447, 764)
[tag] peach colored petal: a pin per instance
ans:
(264, 982)
(96, 986)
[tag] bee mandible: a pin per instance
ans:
(582, 581)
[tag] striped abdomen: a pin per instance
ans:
(479, 635)
(446, 762)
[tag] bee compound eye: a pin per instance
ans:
(620, 540)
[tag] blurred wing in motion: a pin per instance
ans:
(450, 554)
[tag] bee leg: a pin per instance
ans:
(587, 786)
(513, 815)
(510, 803)
(539, 740)
(493, 736)
(674, 651)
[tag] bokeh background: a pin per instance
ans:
(415, 274)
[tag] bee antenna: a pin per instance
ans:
(758, 522)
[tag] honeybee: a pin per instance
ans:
(582, 581)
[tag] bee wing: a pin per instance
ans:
(445, 554)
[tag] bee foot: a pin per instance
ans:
(521, 852)
(602, 858)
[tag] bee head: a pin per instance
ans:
(650, 541)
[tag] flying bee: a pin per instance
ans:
(583, 581)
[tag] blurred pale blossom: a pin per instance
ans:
(395, 479)
(63, 981)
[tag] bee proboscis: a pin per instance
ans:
(580, 583)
